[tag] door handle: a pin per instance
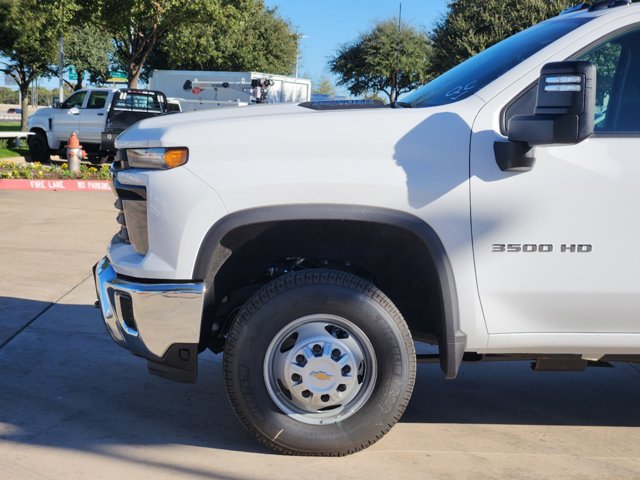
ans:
(101, 114)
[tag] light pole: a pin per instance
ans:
(60, 67)
(300, 37)
(60, 58)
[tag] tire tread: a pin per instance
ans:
(308, 278)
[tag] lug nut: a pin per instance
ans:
(324, 398)
(346, 369)
(317, 349)
(300, 360)
(306, 393)
(342, 387)
(335, 354)
(295, 377)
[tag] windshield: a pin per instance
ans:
(480, 70)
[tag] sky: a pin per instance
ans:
(330, 23)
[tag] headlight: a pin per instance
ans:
(157, 157)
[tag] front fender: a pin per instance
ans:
(212, 255)
(43, 124)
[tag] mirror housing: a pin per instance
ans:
(565, 108)
(564, 115)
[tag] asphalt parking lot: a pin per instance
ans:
(74, 405)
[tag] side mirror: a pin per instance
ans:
(74, 111)
(564, 114)
(565, 109)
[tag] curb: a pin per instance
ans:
(54, 185)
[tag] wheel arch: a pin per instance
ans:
(51, 140)
(37, 131)
(217, 250)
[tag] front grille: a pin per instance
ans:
(132, 215)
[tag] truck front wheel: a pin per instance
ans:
(39, 147)
(319, 362)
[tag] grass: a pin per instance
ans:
(10, 126)
(7, 151)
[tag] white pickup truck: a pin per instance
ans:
(97, 115)
(492, 213)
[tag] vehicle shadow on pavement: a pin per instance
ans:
(66, 384)
(511, 393)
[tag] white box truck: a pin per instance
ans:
(198, 90)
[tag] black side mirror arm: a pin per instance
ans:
(514, 156)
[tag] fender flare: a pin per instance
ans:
(38, 128)
(211, 257)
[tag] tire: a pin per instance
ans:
(319, 362)
(39, 147)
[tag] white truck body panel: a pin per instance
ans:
(208, 90)
(579, 196)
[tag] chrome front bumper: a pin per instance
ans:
(150, 318)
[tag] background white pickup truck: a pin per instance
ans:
(492, 214)
(92, 113)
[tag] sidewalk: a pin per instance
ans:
(48, 243)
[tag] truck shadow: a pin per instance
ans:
(65, 384)
(510, 393)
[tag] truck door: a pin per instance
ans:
(93, 117)
(557, 248)
(66, 119)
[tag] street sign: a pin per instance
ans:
(73, 73)
(118, 76)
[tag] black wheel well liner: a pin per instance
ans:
(213, 254)
(37, 130)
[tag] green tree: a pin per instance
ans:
(89, 51)
(7, 95)
(236, 35)
(471, 26)
(386, 59)
(324, 87)
(44, 96)
(28, 43)
(137, 27)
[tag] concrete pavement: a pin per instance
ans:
(75, 405)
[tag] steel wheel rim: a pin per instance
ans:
(320, 369)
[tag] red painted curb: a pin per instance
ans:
(68, 185)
